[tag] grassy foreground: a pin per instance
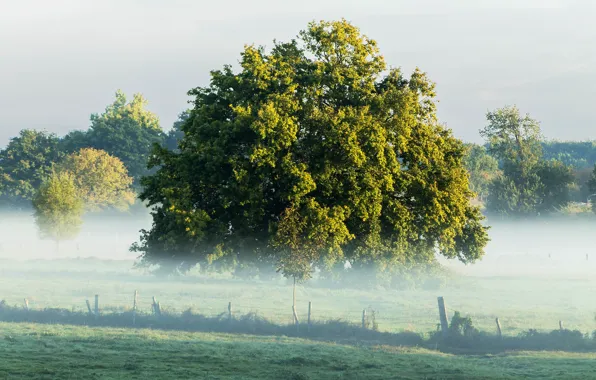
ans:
(32, 351)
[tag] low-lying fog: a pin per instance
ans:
(549, 246)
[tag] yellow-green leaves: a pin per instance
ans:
(101, 180)
(58, 207)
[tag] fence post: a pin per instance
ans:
(364, 318)
(309, 313)
(89, 307)
(134, 308)
(500, 335)
(230, 311)
(26, 304)
(295, 314)
(156, 307)
(443, 317)
(96, 306)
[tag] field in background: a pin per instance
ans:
(66, 352)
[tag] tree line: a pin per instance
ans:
(91, 170)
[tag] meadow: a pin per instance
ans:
(67, 352)
(520, 302)
(527, 286)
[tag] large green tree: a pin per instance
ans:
(58, 208)
(24, 164)
(126, 129)
(313, 154)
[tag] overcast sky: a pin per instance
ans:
(62, 60)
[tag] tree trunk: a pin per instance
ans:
(294, 304)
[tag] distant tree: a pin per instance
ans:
(482, 167)
(577, 154)
(557, 180)
(102, 180)
(312, 155)
(58, 208)
(176, 134)
(126, 130)
(74, 141)
(592, 188)
(529, 184)
(24, 164)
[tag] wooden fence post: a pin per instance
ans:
(156, 307)
(89, 307)
(499, 333)
(230, 311)
(295, 314)
(134, 308)
(96, 306)
(364, 318)
(443, 317)
(309, 313)
(26, 304)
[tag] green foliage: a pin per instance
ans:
(176, 134)
(461, 326)
(482, 168)
(126, 130)
(313, 154)
(528, 185)
(592, 188)
(58, 207)
(556, 179)
(577, 154)
(24, 164)
(102, 181)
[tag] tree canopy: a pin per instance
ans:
(313, 154)
(101, 180)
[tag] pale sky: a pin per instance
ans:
(62, 60)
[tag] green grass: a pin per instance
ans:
(47, 351)
(66, 352)
(520, 303)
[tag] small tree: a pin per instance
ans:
(305, 233)
(102, 180)
(58, 208)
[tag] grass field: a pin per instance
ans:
(66, 352)
(521, 303)
(48, 351)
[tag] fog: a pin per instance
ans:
(102, 237)
(533, 247)
(534, 274)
